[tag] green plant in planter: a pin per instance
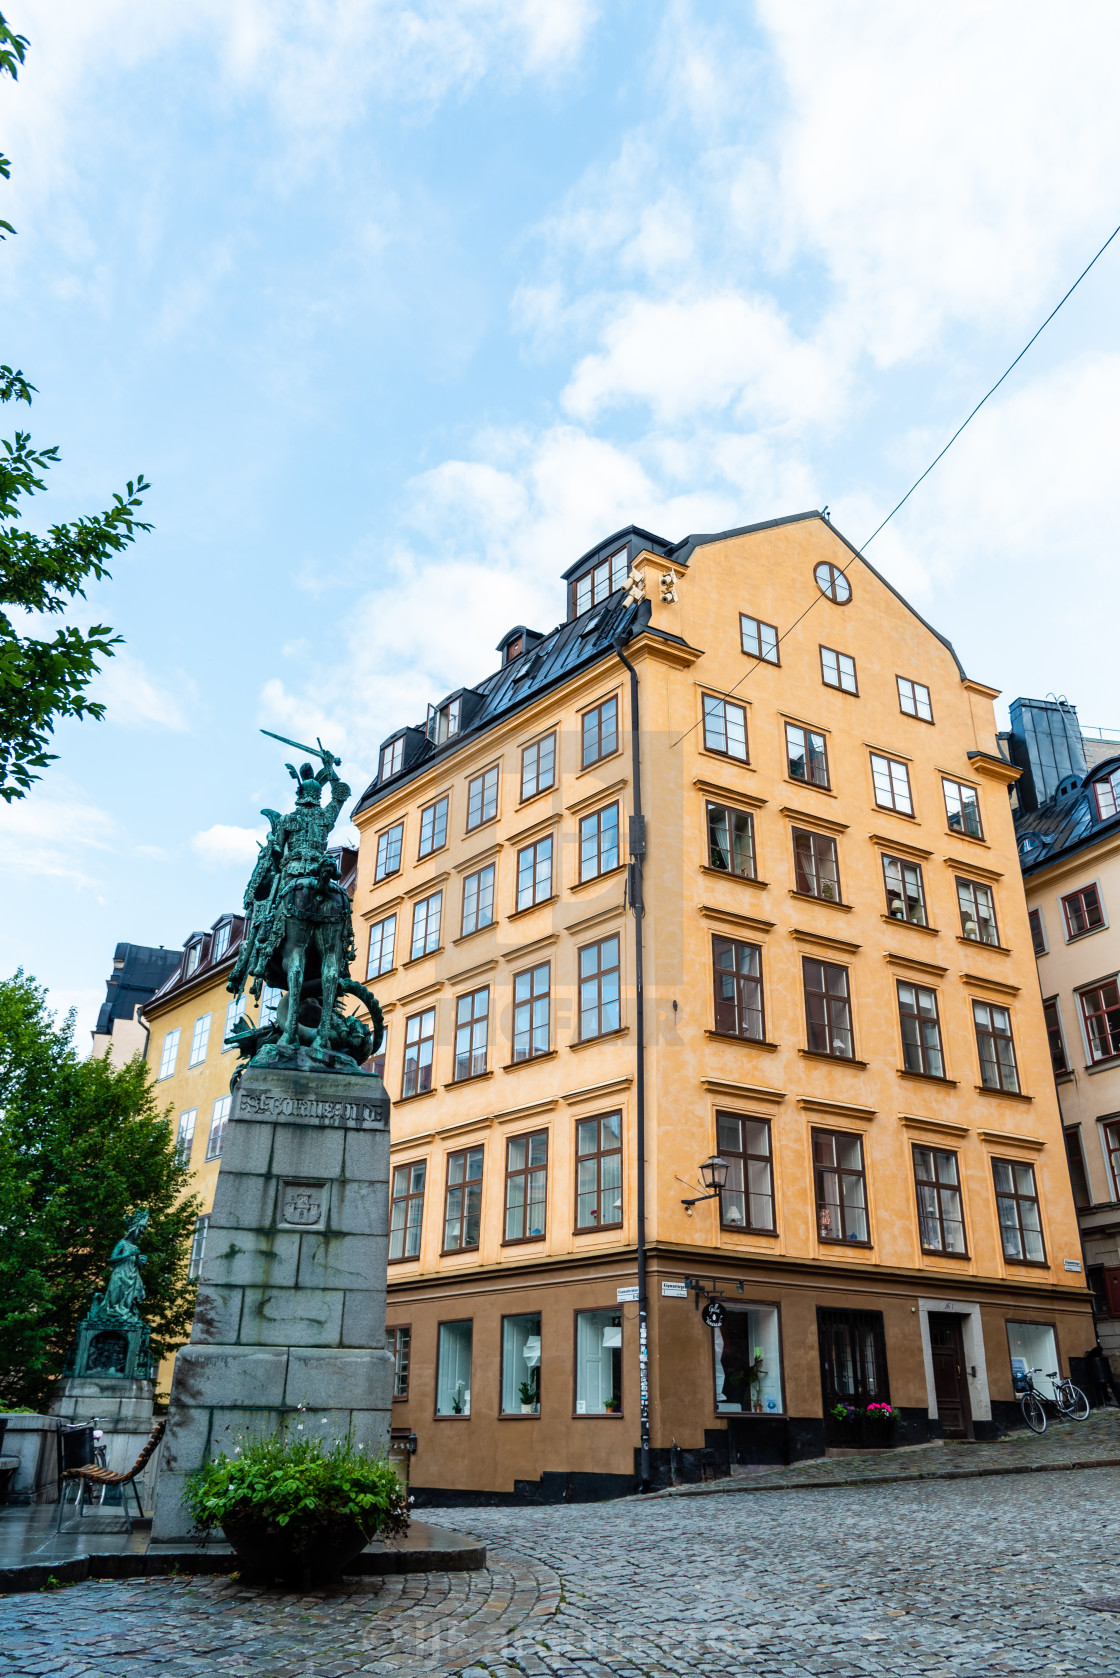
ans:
(529, 1392)
(612, 1404)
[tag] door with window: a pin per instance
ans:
(950, 1378)
(853, 1353)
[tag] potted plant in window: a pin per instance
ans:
(458, 1399)
(613, 1404)
(530, 1394)
(300, 1508)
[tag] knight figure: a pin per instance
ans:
(298, 938)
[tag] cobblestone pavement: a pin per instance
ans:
(965, 1579)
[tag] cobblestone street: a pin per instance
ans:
(960, 1578)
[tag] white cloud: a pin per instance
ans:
(54, 833)
(134, 700)
(222, 846)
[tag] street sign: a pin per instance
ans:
(626, 1296)
(673, 1290)
(713, 1314)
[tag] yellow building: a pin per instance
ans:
(825, 840)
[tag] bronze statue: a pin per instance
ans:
(120, 1303)
(299, 939)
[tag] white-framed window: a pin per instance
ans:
(433, 826)
(443, 721)
(538, 767)
(521, 1365)
(838, 670)
(198, 1247)
(1034, 1346)
(806, 755)
(748, 1363)
(759, 640)
(270, 1004)
(220, 943)
(472, 1022)
(193, 954)
(392, 758)
(200, 1039)
(532, 1012)
(962, 808)
(219, 1119)
(1107, 794)
(478, 900)
(169, 1054)
(235, 1013)
(598, 1363)
(382, 947)
(419, 1050)
(725, 727)
(914, 699)
(892, 784)
(731, 840)
(598, 842)
(453, 1369)
(389, 847)
(534, 873)
(906, 898)
(426, 916)
(400, 1344)
(184, 1136)
(482, 797)
(978, 912)
(832, 582)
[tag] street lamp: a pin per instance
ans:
(713, 1175)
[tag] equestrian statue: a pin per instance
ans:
(298, 938)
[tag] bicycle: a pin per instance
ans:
(1069, 1401)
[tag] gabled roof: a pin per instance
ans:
(1067, 824)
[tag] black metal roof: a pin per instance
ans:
(1067, 823)
(138, 972)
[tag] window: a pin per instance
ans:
(1034, 1346)
(521, 1365)
(198, 1247)
(731, 841)
(406, 1212)
(914, 699)
(443, 722)
(478, 900)
(200, 1040)
(841, 1186)
(531, 1012)
(400, 1344)
(433, 826)
(472, 1017)
(832, 582)
(382, 942)
(998, 1070)
(193, 954)
(747, 1199)
(806, 756)
(598, 1363)
(853, 1353)
(1054, 1035)
(184, 1137)
(389, 846)
(1020, 1223)
(170, 1053)
(426, 917)
(598, 842)
(220, 942)
(1082, 911)
(760, 640)
(1107, 793)
(828, 1008)
(462, 1210)
(599, 732)
(725, 728)
(838, 670)
(538, 767)
(453, 1369)
(377, 1062)
(219, 1119)
(1079, 1180)
(940, 1220)
(601, 581)
(419, 1045)
(526, 1182)
(534, 873)
(921, 1030)
(906, 898)
(1112, 1150)
(738, 988)
(392, 758)
(599, 989)
(1038, 931)
(892, 784)
(748, 1365)
(978, 912)
(816, 870)
(235, 1013)
(962, 808)
(599, 1172)
(270, 1003)
(482, 797)
(1100, 1009)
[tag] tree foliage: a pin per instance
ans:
(81, 1145)
(43, 679)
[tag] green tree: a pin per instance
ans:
(81, 1145)
(43, 679)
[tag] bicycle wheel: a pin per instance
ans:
(1071, 1401)
(1034, 1412)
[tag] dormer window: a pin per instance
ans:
(193, 954)
(1029, 844)
(392, 758)
(1107, 793)
(443, 722)
(221, 942)
(603, 580)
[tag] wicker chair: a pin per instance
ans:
(93, 1476)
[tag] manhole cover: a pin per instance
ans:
(1102, 1604)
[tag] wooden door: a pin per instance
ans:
(950, 1379)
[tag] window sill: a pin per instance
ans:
(745, 1229)
(530, 1060)
(1034, 1264)
(1003, 1095)
(599, 1229)
(594, 879)
(597, 1415)
(463, 936)
(411, 1258)
(420, 1095)
(388, 974)
(969, 838)
(438, 1418)
(833, 1060)
(457, 1252)
(588, 768)
(1108, 1064)
(979, 944)
(400, 1398)
(894, 920)
(380, 879)
(475, 1078)
(1066, 1077)
(936, 1253)
(603, 1037)
(829, 902)
(540, 904)
(825, 792)
(523, 803)
(748, 1042)
(478, 826)
(522, 1240)
(903, 815)
(412, 961)
(928, 1077)
(842, 1241)
(726, 874)
(437, 850)
(726, 757)
(1090, 931)
(522, 1416)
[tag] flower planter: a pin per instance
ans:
(309, 1550)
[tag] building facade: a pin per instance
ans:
(838, 1000)
(1068, 826)
(138, 971)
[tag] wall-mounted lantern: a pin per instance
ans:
(713, 1175)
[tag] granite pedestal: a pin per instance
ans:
(289, 1329)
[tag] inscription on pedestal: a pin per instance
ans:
(311, 1110)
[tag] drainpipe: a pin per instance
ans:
(637, 858)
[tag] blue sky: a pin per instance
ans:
(401, 307)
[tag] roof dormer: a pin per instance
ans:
(603, 570)
(517, 641)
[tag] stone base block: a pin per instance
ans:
(119, 1405)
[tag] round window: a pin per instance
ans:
(832, 582)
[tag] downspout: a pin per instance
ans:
(637, 859)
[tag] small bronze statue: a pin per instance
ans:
(120, 1303)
